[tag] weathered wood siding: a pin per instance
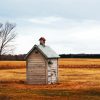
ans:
(36, 68)
(53, 71)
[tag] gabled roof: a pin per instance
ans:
(45, 50)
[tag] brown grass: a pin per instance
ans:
(63, 63)
(12, 64)
(69, 78)
(74, 83)
(79, 63)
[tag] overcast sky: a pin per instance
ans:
(69, 26)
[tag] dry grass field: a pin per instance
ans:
(12, 64)
(79, 63)
(63, 63)
(74, 83)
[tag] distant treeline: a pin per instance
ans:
(80, 55)
(21, 57)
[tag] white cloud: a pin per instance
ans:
(24, 43)
(45, 20)
(79, 37)
(70, 26)
(74, 9)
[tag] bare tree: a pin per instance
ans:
(7, 35)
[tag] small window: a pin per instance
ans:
(36, 52)
(50, 62)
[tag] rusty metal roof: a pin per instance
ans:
(45, 50)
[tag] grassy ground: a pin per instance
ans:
(63, 63)
(79, 63)
(12, 64)
(74, 83)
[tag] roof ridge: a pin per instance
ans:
(46, 50)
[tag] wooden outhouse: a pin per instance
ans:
(41, 64)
